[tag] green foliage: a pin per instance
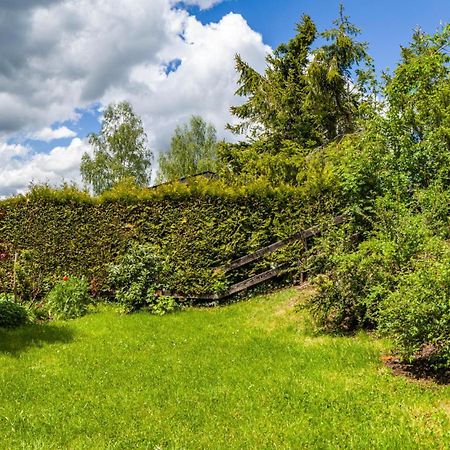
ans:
(397, 279)
(332, 96)
(308, 102)
(193, 150)
(198, 227)
(280, 165)
(137, 276)
(405, 146)
(120, 151)
(68, 299)
(275, 100)
(12, 314)
(163, 305)
(417, 314)
(357, 281)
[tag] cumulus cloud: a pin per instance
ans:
(60, 55)
(48, 134)
(204, 82)
(20, 166)
(203, 4)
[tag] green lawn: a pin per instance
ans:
(249, 375)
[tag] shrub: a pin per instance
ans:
(12, 314)
(350, 293)
(162, 305)
(137, 276)
(417, 315)
(68, 299)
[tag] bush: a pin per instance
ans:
(417, 315)
(137, 277)
(12, 314)
(350, 292)
(162, 305)
(68, 299)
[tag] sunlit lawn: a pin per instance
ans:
(249, 375)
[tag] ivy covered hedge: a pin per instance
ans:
(199, 227)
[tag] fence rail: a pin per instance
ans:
(255, 256)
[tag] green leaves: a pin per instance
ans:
(193, 150)
(12, 315)
(68, 299)
(120, 151)
(305, 96)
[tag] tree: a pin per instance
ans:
(304, 96)
(193, 149)
(274, 107)
(120, 151)
(333, 96)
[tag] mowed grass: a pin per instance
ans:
(252, 375)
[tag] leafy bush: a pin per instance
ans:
(68, 299)
(137, 277)
(417, 314)
(11, 314)
(162, 305)
(349, 294)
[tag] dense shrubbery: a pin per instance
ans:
(136, 276)
(417, 314)
(12, 315)
(68, 299)
(394, 177)
(198, 228)
(395, 280)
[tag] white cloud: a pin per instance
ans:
(48, 134)
(71, 53)
(20, 166)
(203, 84)
(203, 4)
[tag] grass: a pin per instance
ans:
(252, 375)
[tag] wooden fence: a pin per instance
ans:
(255, 256)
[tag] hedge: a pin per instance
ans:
(200, 227)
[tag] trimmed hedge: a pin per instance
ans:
(199, 227)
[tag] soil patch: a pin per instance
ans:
(421, 368)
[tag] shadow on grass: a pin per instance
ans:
(420, 369)
(14, 342)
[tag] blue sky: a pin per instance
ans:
(385, 24)
(61, 61)
(276, 19)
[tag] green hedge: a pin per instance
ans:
(200, 227)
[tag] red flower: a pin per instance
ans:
(65, 278)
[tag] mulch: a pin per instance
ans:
(421, 368)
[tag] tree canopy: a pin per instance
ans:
(306, 96)
(193, 149)
(120, 151)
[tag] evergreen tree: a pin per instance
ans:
(275, 100)
(304, 96)
(333, 94)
